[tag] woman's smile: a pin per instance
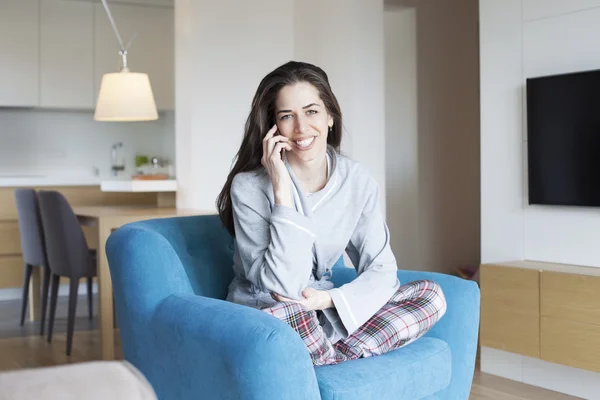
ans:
(304, 144)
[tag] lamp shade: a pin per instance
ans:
(125, 96)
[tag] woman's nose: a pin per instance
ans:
(301, 124)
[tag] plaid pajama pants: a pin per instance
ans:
(413, 309)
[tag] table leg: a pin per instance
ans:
(166, 199)
(105, 294)
(34, 294)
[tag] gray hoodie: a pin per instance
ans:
(284, 250)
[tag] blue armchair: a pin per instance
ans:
(170, 277)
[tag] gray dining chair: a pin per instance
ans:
(32, 247)
(68, 255)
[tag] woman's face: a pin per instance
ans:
(301, 116)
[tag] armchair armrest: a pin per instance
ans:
(459, 327)
(217, 349)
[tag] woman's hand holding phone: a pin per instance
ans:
(273, 146)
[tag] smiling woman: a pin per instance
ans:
(302, 124)
(294, 206)
(295, 101)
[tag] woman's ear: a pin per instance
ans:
(330, 122)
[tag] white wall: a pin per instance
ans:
(345, 38)
(401, 134)
(71, 143)
(447, 112)
(218, 68)
(224, 49)
(522, 39)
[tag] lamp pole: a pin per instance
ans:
(123, 51)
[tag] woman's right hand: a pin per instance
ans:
(273, 145)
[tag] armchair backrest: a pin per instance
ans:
(205, 249)
(158, 257)
(152, 260)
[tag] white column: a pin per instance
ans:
(223, 49)
(345, 38)
(501, 78)
(401, 135)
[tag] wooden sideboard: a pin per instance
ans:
(542, 310)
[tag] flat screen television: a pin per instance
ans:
(563, 139)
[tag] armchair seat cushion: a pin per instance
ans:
(415, 371)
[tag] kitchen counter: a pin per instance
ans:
(107, 184)
(48, 181)
(158, 185)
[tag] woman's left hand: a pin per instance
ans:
(313, 299)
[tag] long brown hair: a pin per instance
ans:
(262, 118)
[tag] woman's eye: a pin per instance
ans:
(285, 116)
(311, 112)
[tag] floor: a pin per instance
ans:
(10, 314)
(490, 387)
(25, 348)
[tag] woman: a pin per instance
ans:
(294, 205)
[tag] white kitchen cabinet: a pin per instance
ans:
(67, 54)
(167, 3)
(161, 3)
(152, 52)
(19, 53)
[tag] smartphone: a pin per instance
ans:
(282, 150)
(277, 134)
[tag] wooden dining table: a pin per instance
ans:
(106, 219)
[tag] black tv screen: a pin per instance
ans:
(563, 139)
